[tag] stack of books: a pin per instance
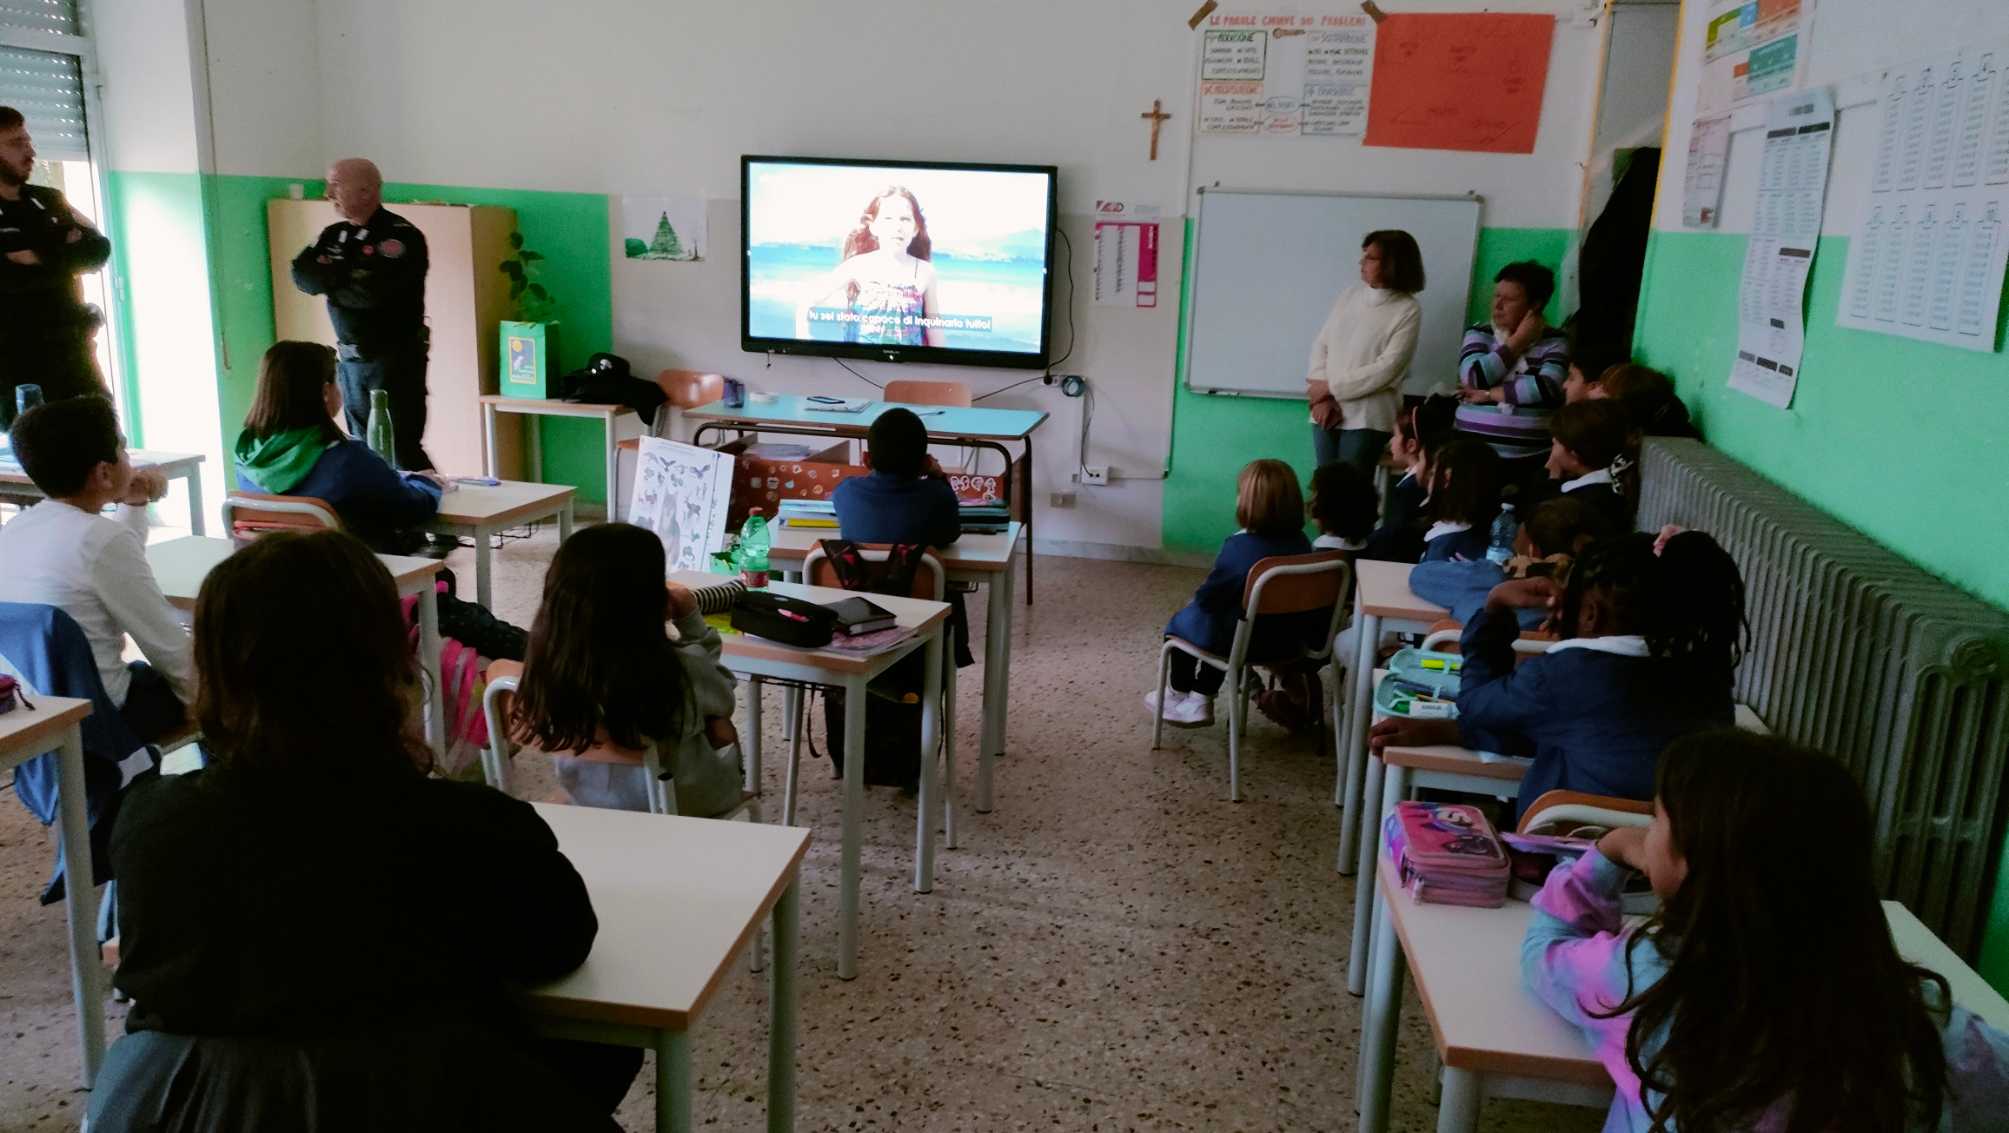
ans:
(991, 517)
(1448, 854)
(857, 616)
(820, 515)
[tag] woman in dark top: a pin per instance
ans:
(316, 935)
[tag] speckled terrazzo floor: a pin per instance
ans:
(1114, 947)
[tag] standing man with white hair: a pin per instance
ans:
(371, 266)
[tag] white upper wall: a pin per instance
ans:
(265, 85)
(149, 100)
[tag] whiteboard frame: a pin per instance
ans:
(1192, 270)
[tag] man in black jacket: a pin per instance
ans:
(371, 266)
(46, 328)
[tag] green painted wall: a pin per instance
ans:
(1213, 436)
(571, 229)
(1900, 439)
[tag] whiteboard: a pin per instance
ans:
(1267, 267)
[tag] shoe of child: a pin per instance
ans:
(1191, 710)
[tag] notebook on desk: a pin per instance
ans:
(836, 405)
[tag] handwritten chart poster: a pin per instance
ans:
(1126, 254)
(1702, 187)
(1792, 188)
(1929, 248)
(1285, 74)
(1752, 49)
(1460, 81)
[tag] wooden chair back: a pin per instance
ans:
(688, 389)
(1579, 809)
(247, 515)
(1292, 584)
(913, 391)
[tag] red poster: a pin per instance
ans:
(1459, 81)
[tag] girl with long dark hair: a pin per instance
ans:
(886, 276)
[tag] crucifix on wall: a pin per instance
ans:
(1157, 117)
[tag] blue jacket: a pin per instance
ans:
(880, 508)
(1399, 539)
(1595, 720)
(1469, 545)
(1208, 621)
(375, 502)
(1462, 589)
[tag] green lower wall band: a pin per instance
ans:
(1214, 436)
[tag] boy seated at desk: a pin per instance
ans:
(62, 553)
(907, 498)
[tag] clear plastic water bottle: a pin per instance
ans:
(1500, 547)
(754, 542)
(382, 438)
(26, 396)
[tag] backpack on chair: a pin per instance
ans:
(893, 701)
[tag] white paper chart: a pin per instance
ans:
(1286, 74)
(1792, 186)
(1702, 187)
(1928, 252)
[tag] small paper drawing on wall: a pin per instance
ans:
(664, 228)
(682, 493)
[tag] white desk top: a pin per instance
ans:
(1383, 590)
(180, 565)
(1467, 968)
(26, 733)
(917, 614)
(508, 502)
(677, 899)
(971, 554)
(171, 462)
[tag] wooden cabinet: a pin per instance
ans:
(466, 296)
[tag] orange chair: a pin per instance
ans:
(247, 515)
(912, 391)
(1570, 810)
(1282, 584)
(688, 389)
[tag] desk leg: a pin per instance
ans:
(490, 461)
(1377, 1038)
(1363, 881)
(197, 524)
(673, 1082)
(854, 834)
(1355, 752)
(80, 906)
(1459, 1111)
(749, 744)
(484, 586)
(997, 681)
(781, 1013)
(613, 470)
(1031, 501)
(949, 750)
(565, 522)
(429, 660)
(931, 736)
(533, 435)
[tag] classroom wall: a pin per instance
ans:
(1901, 439)
(631, 96)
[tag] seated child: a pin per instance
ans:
(1650, 402)
(62, 553)
(1342, 506)
(1589, 366)
(1649, 646)
(1544, 547)
(906, 499)
(1588, 451)
(1464, 480)
(601, 670)
(1270, 509)
(1766, 993)
(290, 446)
(1420, 430)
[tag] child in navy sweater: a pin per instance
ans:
(1588, 457)
(1270, 508)
(907, 498)
(1464, 479)
(1650, 641)
(1420, 430)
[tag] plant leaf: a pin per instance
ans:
(516, 240)
(531, 257)
(516, 289)
(513, 270)
(537, 289)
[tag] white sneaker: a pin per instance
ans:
(1189, 710)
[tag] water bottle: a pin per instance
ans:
(1500, 547)
(26, 396)
(381, 437)
(753, 544)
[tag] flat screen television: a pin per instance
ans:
(897, 261)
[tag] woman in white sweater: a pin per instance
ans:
(1354, 383)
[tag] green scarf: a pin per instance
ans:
(279, 462)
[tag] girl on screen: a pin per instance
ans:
(887, 281)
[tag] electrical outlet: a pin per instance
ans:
(1061, 499)
(1095, 474)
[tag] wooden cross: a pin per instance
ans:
(1157, 117)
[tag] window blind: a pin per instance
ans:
(59, 16)
(48, 89)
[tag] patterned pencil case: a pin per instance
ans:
(10, 694)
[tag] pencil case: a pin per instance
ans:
(790, 621)
(1397, 696)
(10, 693)
(1439, 672)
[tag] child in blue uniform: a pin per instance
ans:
(1464, 479)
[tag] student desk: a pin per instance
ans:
(180, 565)
(480, 511)
(1382, 602)
(183, 466)
(56, 722)
(607, 415)
(677, 899)
(851, 671)
(984, 559)
(791, 415)
(1497, 1040)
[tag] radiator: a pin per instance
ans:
(1857, 652)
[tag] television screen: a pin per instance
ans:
(925, 262)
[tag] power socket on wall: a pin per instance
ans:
(1061, 499)
(1095, 474)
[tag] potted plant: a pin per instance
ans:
(530, 340)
